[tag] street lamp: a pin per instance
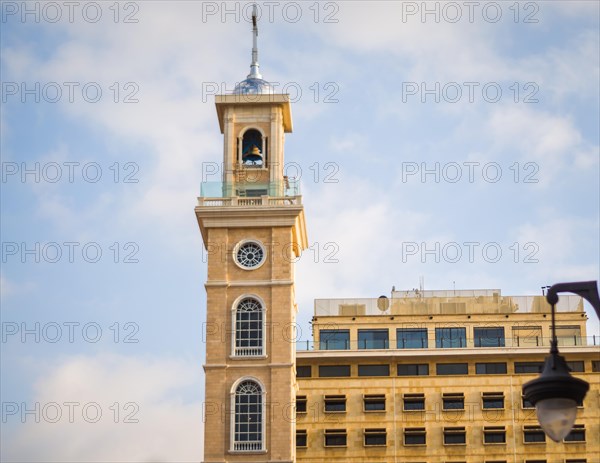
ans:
(556, 393)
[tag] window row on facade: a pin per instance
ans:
(444, 337)
(423, 369)
(411, 402)
(417, 436)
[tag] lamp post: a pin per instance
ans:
(555, 393)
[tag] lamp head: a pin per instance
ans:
(555, 395)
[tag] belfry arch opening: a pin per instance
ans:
(253, 149)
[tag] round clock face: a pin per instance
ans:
(249, 255)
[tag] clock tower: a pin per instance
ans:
(253, 229)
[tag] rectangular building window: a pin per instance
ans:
(494, 368)
(335, 403)
(414, 402)
(334, 339)
(494, 435)
(373, 370)
(253, 192)
(595, 366)
(455, 436)
(375, 437)
(526, 403)
(576, 460)
(453, 401)
(334, 371)
(301, 404)
(415, 436)
(374, 402)
(568, 335)
(533, 434)
(335, 438)
(450, 337)
(373, 339)
(528, 367)
(301, 438)
(413, 369)
(492, 400)
(411, 338)
(488, 337)
(576, 366)
(452, 368)
(527, 336)
(535, 461)
(577, 434)
(303, 371)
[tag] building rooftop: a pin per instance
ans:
(444, 302)
(444, 322)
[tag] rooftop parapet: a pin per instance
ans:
(417, 293)
(444, 304)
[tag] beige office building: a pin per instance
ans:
(436, 376)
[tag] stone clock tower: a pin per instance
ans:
(252, 225)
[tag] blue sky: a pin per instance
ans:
(365, 129)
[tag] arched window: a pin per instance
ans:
(249, 333)
(249, 417)
(253, 148)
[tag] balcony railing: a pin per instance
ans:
(247, 193)
(288, 187)
(454, 343)
(248, 446)
(262, 201)
(248, 351)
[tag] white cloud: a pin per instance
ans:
(9, 288)
(561, 243)
(552, 141)
(350, 142)
(152, 391)
(164, 127)
(570, 72)
(355, 232)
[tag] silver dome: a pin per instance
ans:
(253, 86)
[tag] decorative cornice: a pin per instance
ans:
(223, 366)
(240, 283)
(278, 100)
(464, 353)
(254, 217)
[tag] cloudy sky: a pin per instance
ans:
(439, 140)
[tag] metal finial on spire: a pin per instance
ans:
(254, 83)
(254, 72)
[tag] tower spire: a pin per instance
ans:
(254, 84)
(254, 72)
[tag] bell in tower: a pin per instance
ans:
(252, 148)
